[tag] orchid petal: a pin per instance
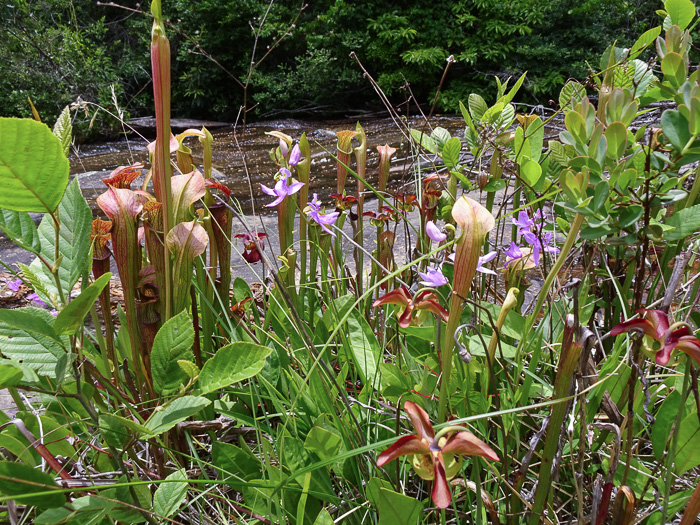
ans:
(268, 191)
(690, 346)
(399, 296)
(441, 495)
(434, 232)
(641, 324)
(659, 320)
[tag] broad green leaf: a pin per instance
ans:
(675, 69)
(681, 12)
(21, 481)
(450, 152)
(535, 137)
(26, 335)
(616, 134)
(440, 136)
(396, 508)
(531, 172)
(647, 38)
(171, 345)
(165, 418)
(323, 518)
(63, 364)
(170, 494)
(33, 168)
(122, 492)
(688, 452)
(629, 215)
(694, 120)
(231, 364)
(323, 443)
(514, 90)
(189, 368)
(73, 244)
(576, 126)
(467, 117)
(675, 128)
(394, 383)
(112, 422)
(20, 229)
(70, 319)
(232, 460)
(426, 142)
(477, 106)
(365, 349)
(686, 222)
(63, 129)
(661, 430)
(10, 376)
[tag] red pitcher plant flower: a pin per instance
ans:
(436, 457)
(425, 300)
(655, 324)
(251, 253)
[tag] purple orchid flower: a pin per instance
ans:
(33, 297)
(523, 222)
(322, 219)
(14, 285)
(483, 260)
(284, 148)
(433, 277)
(434, 232)
(513, 253)
(295, 156)
(282, 189)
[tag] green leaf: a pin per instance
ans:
(171, 345)
(600, 195)
(396, 508)
(189, 368)
(675, 69)
(323, 443)
(514, 90)
(440, 136)
(232, 460)
(170, 494)
(114, 423)
(231, 364)
(675, 128)
(477, 106)
(681, 12)
(63, 129)
(33, 168)
(20, 229)
(686, 222)
(70, 319)
(661, 430)
(531, 171)
(450, 152)
(688, 452)
(576, 126)
(365, 348)
(427, 143)
(571, 94)
(647, 38)
(323, 518)
(616, 135)
(26, 335)
(73, 244)
(467, 117)
(21, 481)
(10, 376)
(629, 215)
(63, 364)
(165, 418)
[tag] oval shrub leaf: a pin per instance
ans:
(231, 364)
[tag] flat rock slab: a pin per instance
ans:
(149, 123)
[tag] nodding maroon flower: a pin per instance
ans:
(425, 300)
(655, 324)
(239, 309)
(123, 176)
(250, 246)
(436, 457)
(343, 202)
(432, 191)
(406, 201)
(215, 185)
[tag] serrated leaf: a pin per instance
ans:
(172, 344)
(26, 335)
(70, 319)
(571, 94)
(231, 364)
(21, 481)
(165, 418)
(33, 168)
(189, 368)
(20, 229)
(37, 280)
(450, 152)
(63, 129)
(440, 136)
(686, 222)
(74, 240)
(170, 494)
(427, 143)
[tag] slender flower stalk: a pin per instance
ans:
(361, 161)
(475, 222)
(160, 65)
